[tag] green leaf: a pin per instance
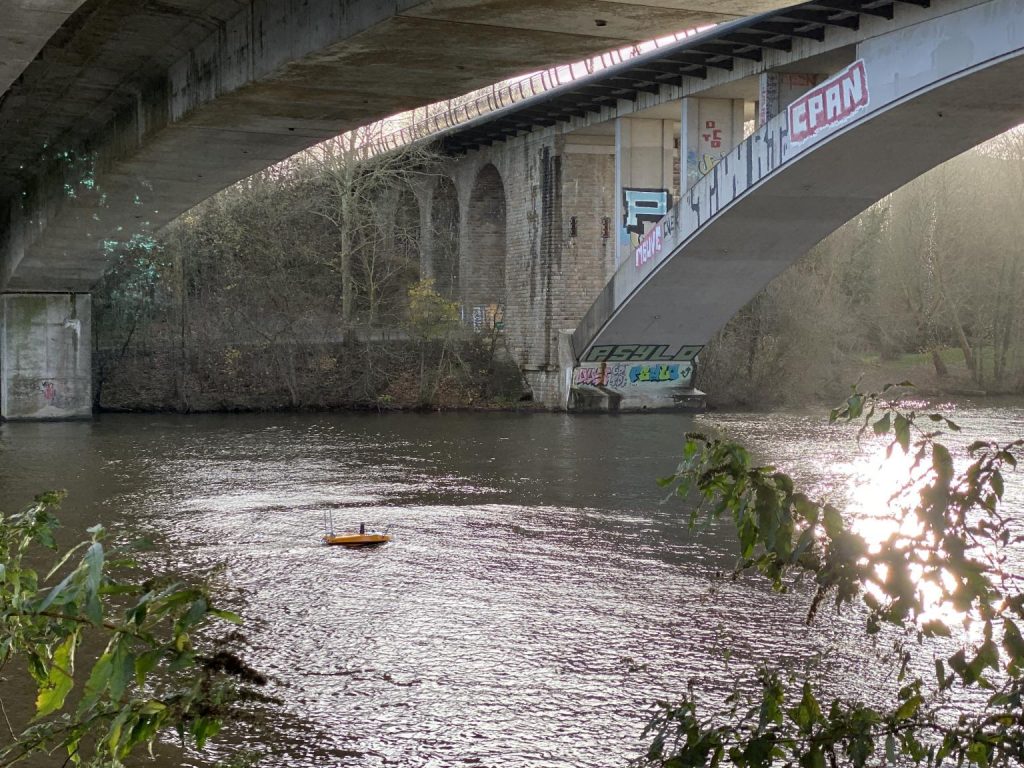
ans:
(881, 427)
(833, 522)
(144, 664)
(97, 683)
(996, 481)
(204, 728)
(807, 713)
(908, 708)
(1013, 643)
(93, 561)
(942, 463)
(812, 758)
(901, 428)
(113, 740)
(977, 753)
(234, 618)
(122, 668)
(56, 592)
(59, 679)
(855, 406)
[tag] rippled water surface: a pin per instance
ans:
(539, 595)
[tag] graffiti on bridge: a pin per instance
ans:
(51, 394)
(654, 241)
(659, 372)
(615, 376)
(622, 375)
(487, 317)
(832, 103)
(810, 118)
(640, 206)
(640, 353)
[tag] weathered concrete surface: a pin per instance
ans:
(45, 356)
(937, 88)
(165, 103)
(25, 27)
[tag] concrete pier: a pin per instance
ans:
(45, 356)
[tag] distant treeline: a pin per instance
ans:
(928, 284)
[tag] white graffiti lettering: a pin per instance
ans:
(829, 104)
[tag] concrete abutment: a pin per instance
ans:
(45, 356)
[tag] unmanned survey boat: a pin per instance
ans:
(363, 538)
(369, 539)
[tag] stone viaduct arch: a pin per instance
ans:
(483, 247)
(391, 262)
(443, 242)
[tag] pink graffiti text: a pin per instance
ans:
(654, 241)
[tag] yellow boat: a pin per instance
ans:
(357, 539)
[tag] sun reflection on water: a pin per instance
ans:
(884, 487)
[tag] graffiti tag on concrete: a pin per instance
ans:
(622, 375)
(628, 353)
(830, 104)
(655, 240)
(643, 205)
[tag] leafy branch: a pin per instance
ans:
(948, 546)
(161, 666)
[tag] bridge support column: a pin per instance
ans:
(711, 128)
(646, 177)
(45, 356)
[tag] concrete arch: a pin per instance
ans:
(444, 238)
(784, 189)
(484, 245)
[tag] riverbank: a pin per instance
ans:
(473, 374)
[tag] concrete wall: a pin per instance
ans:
(45, 356)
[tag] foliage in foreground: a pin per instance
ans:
(949, 545)
(156, 664)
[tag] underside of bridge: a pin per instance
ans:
(164, 103)
(116, 116)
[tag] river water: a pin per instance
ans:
(540, 593)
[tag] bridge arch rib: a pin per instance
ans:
(931, 91)
(484, 244)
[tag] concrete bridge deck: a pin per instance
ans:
(158, 105)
